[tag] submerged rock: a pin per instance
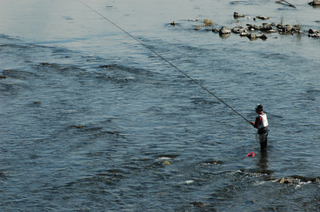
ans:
(166, 163)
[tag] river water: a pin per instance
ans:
(91, 120)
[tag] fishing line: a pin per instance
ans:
(186, 75)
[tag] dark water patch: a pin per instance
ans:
(313, 92)
(204, 102)
(62, 68)
(20, 74)
(224, 194)
(159, 164)
(7, 37)
(33, 157)
(309, 97)
(285, 8)
(68, 18)
(96, 180)
(48, 64)
(122, 69)
(12, 88)
(108, 67)
(36, 104)
(198, 206)
(242, 3)
(114, 173)
(95, 131)
(3, 175)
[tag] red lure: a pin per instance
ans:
(251, 154)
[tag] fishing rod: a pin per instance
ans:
(186, 75)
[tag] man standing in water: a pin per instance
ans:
(261, 123)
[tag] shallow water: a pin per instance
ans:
(94, 121)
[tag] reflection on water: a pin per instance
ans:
(263, 161)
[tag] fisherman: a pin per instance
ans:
(261, 123)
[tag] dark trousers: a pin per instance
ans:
(263, 141)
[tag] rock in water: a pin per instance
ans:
(266, 26)
(315, 2)
(236, 15)
(225, 30)
(313, 31)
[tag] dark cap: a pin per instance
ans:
(259, 107)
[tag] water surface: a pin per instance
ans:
(94, 121)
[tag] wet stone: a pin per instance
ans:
(315, 2)
(266, 26)
(243, 34)
(313, 31)
(238, 29)
(215, 30)
(285, 28)
(297, 180)
(237, 15)
(314, 35)
(263, 37)
(225, 30)
(254, 36)
(272, 31)
(262, 17)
